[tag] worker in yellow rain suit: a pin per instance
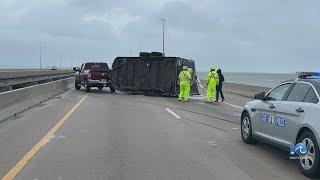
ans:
(185, 79)
(212, 82)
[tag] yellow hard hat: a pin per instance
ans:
(185, 67)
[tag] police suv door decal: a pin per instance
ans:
(266, 118)
(280, 122)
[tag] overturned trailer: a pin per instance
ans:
(151, 74)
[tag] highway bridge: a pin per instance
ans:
(18, 78)
(69, 134)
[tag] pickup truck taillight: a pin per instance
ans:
(89, 75)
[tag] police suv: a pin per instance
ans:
(287, 115)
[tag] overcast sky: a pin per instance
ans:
(235, 35)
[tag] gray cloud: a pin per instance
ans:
(237, 35)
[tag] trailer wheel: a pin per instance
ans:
(112, 90)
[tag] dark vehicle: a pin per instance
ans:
(93, 74)
(151, 74)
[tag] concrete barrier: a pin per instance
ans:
(240, 89)
(243, 90)
(16, 101)
(31, 73)
(22, 78)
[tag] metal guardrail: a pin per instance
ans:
(16, 101)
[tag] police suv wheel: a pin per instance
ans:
(246, 129)
(309, 164)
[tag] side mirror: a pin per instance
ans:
(260, 96)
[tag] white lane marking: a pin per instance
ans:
(201, 97)
(58, 137)
(232, 105)
(174, 114)
(197, 97)
(235, 128)
(212, 143)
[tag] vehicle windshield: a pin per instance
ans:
(317, 85)
(96, 66)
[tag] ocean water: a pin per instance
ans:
(256, 79)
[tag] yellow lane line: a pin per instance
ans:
(43, 141)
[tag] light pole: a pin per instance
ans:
(163, 26)
(140, 45)
(60, 60)
(40, 54)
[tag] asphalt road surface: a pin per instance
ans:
(117, 136)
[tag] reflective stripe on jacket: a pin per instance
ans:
(184, 77)
(213, 77)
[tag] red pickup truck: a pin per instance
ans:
(93, 74)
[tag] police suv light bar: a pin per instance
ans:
(308, 74)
